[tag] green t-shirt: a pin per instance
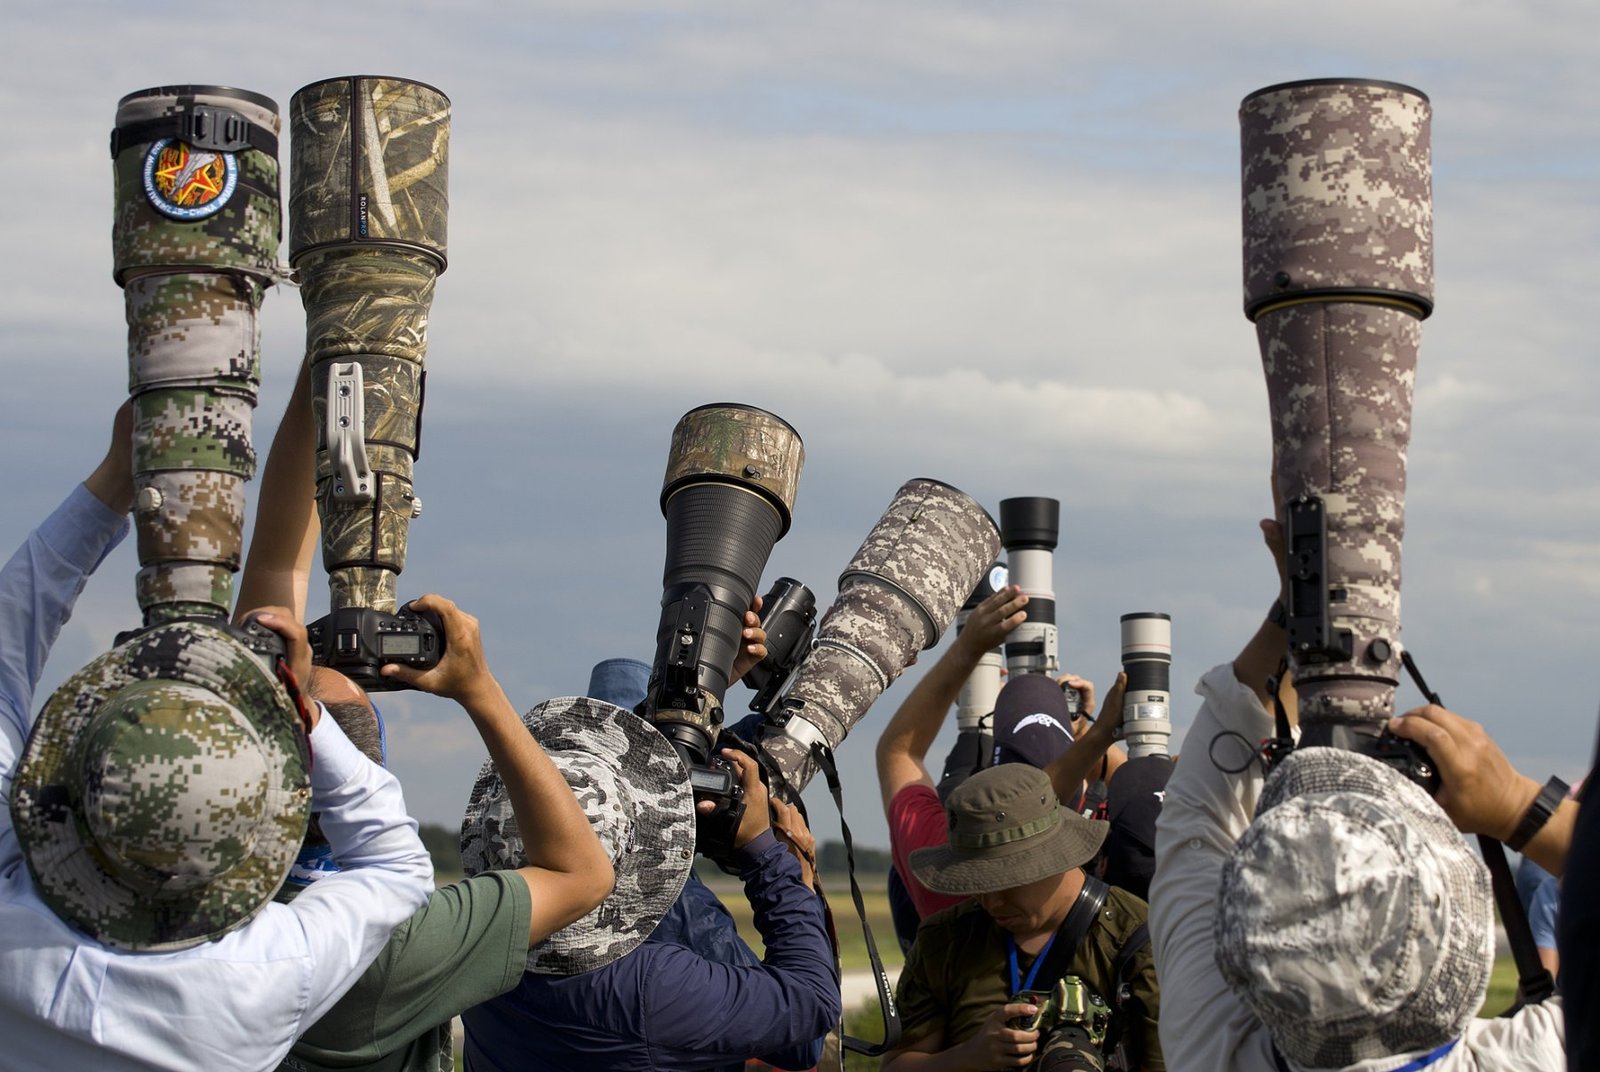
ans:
(958, 972)
(469, 943)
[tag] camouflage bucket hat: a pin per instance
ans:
(635, 791)
(1354, 921)
(164, 791)
(1006, 829)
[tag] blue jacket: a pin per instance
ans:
(668, 1006)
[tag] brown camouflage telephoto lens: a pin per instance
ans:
(1338, 275)
(728, 496)
(896, 597)
(195, 243)
(367, 213)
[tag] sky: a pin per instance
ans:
(995, 244)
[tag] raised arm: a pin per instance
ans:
(1261, 657)
(283, 544)
(568, 872)
(41, 581)
(903, 747)
(1071, 769)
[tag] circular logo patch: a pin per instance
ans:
(188, 183)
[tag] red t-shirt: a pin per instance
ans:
(917, 821)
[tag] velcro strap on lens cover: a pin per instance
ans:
(203, 126)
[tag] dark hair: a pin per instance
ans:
(360, 724)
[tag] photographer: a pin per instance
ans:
(1331, 917)
(665, 1006)
(1034, 918)
(188, 962)
(468, 943)
(910, 802)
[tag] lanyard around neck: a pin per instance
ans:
(1018, 984)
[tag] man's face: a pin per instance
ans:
(1034, 907)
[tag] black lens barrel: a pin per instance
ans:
(1030, 523)
(719, 536)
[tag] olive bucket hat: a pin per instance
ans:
(164, 790)
(1006, 829)
(634, 790)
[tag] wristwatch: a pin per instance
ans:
(1544, 805)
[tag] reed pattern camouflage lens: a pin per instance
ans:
(1338, 273)
(367, 223)
(195, 244)
(896, 597)
(732, 473)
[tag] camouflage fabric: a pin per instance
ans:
(367, 217)
(370, 164)
(164, 791)
(1353, 920)
(1337, 179)
(195, 240)
(739, 444)
(1338, 268)
(368, 307)
(635, 791)
(899, 592)
(240, 233)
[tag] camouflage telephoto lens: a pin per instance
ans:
(896, 597)
(728, 497)
(1029, 528)
(368, 214)
(1338, 275)
(195, 245)
(1147, 701)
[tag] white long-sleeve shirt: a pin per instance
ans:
(238, 1003)
(1204, 1026)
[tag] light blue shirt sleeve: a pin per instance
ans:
(38, 586)
(385, 873)
(1542, 912)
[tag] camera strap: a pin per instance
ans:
(1534, 983)
(1053, 962)
(891, 1012)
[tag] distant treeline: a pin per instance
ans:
(444, 845)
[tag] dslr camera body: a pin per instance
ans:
(1072, 1022)
(359, 642)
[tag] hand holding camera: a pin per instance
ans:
(1001, 1044)
(461, 672)
(750, 795)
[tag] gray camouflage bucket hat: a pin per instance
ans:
(1354, 921)
(1006, 829)
(164, 791)
(635, 791)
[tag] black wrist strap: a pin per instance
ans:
(1544, 805)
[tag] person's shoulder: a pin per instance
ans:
(917, 797)
(456, 915)
(1535, 1037)
(1123, 911)
(947, 931)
